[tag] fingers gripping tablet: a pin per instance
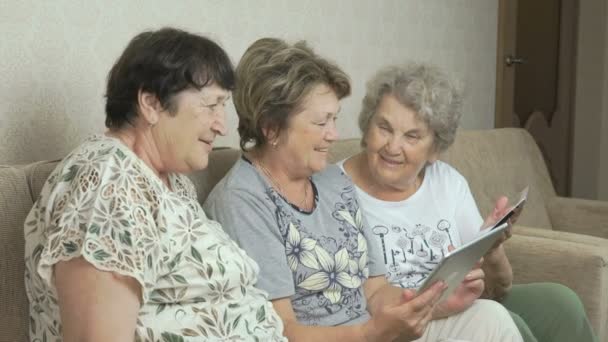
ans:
(454, 267)
(515, 210)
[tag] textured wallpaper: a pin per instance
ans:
(54, 55)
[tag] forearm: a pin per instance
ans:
(303, 333)
(385, 295)
(499, 275)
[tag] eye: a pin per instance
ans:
(321, 124)
(212, 106)
(384, 127)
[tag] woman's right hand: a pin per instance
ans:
(407, 319)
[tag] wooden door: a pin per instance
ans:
(535, 77)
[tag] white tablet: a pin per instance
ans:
(458, 263)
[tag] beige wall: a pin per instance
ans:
(54, 55)
(591, 91)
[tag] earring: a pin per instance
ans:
(274, 144)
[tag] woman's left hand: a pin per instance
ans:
(500, 209)
(465, 294)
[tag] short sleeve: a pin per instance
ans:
(375, 258)
(249, 221)
(467, 216)
(101, 211)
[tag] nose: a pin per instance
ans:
(332, 132)
(393, 145)
(219, 122)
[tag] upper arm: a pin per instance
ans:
(96, 305)
(250, 220)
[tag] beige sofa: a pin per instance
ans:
(561, 240)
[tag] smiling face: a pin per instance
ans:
(185, 137)
(399, 145)
(305, 143)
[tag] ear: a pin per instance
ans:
(149, 107)
(271, 134)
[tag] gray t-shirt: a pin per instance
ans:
(319, 259)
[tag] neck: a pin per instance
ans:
(142, 144)
(271, 159)
(294, 187)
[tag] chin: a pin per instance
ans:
(199, 164)
(318, 167)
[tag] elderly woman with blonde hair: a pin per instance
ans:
(409, 116)
(300, 218)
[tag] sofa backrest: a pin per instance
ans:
(504, 161)
(15, 203)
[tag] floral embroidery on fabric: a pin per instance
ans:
(104, 204)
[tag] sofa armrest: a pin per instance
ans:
(579, 216)
(582, 267)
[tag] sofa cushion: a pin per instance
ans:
(15, 203)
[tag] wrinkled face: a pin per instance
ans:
(305, 143)
(184, 139)
(398, 145)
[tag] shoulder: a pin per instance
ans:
(95, 156)
(241, 181)
(440, 170)
(102, 167)
(101, 152)
(333, 175)
(442, 175)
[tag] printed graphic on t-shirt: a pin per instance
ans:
(411, 252)
(328, 265)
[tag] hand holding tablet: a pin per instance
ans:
(516, 210)
(454, 267)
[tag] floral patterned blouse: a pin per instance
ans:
(104, 204)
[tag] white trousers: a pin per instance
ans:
(484, 321)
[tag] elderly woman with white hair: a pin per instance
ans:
(419, 207)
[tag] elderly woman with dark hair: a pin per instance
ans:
(117, 246)
(410, 115)
(301, 220)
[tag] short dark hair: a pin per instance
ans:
(163, 62)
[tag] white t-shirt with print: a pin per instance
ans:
(414, 234)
